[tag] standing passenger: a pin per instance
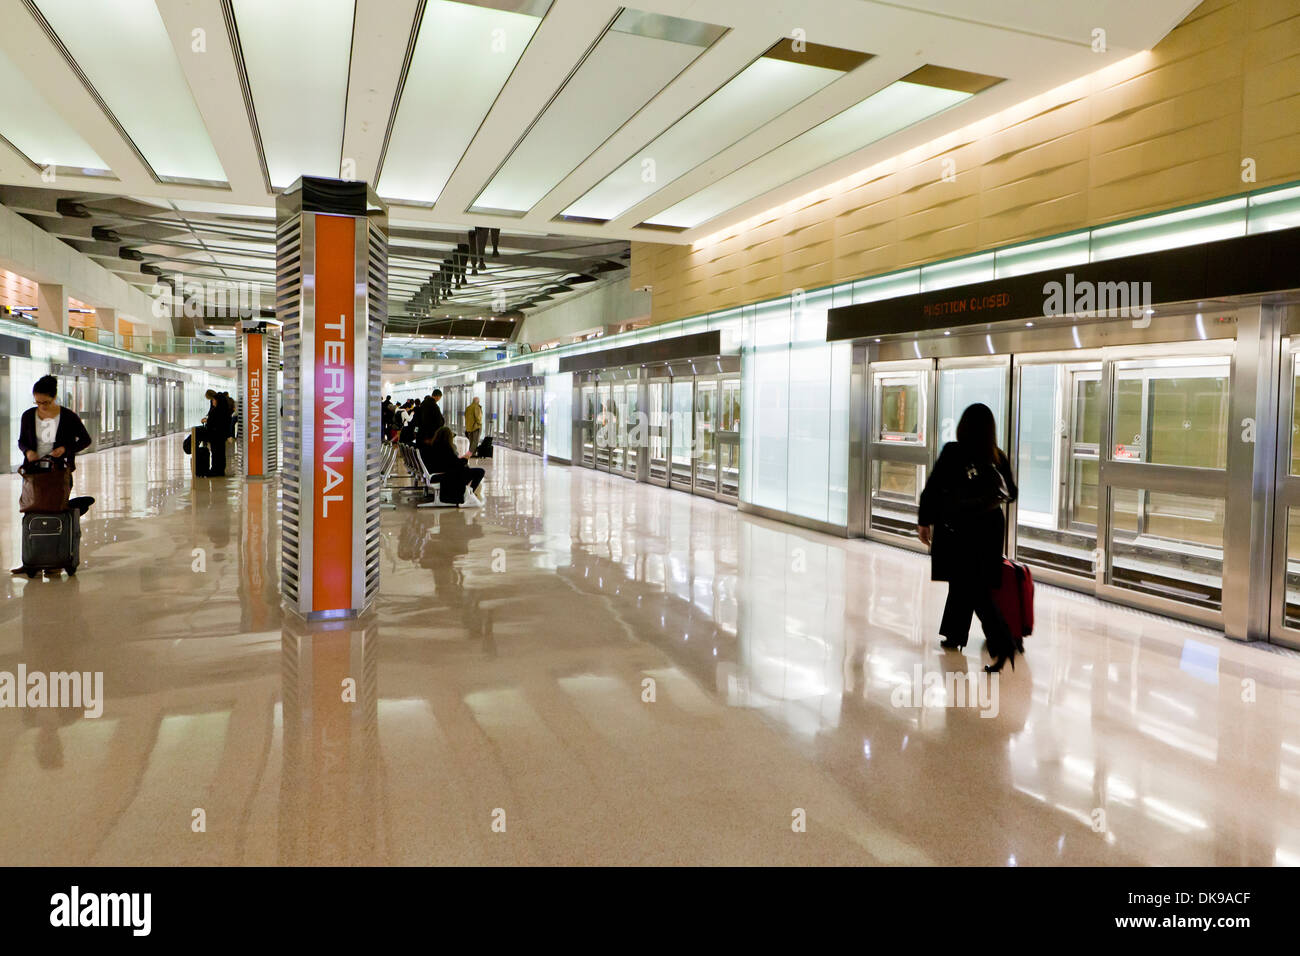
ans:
(960, 518)
(218, 429)
(473, 425)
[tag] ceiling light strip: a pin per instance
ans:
(401, 85)
(237, 49)
(90, 88)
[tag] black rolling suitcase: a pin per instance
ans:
(484, 449)
(51, 542)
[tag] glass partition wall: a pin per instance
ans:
(677, 426)
(1136, 446)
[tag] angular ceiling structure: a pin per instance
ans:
(569, 127)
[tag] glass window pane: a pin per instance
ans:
(1291, 608)
(769, 462)
(1052, 533)
(1169, 545)
(945, 275)
(900, 406)
(1087, 412)
(1275, 209)
(810, 400)
(895, 491)
(1036, 467)
(1189, 421)
(1186, 227)
(960, 388)
(1295, 417)
(1173, 412)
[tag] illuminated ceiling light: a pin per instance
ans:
(640, 55)
(768, 87)
(36, 130)
(296, 52)
(126, 54)
(922, 94)
(463, 56)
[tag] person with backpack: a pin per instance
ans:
(961, 519)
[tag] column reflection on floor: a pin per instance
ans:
(616, 673)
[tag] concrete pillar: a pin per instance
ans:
(332, 282)
(52, 308)
(106, 319)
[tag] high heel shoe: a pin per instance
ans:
(996, 667)
(951, 645)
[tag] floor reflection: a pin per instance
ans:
(616, 673)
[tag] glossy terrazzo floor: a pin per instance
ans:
(501, 712)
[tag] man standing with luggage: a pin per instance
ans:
(218, 430)
(473, 425)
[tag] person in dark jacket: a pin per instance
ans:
(961, 519)
(48, 429)
(440, 457)
(429, 419)
(218, 430)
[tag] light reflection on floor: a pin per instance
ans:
(506, 678)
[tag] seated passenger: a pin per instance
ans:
(440, 458)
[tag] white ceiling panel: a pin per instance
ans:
(896, 107)
(463, 56)
(35, 129)
(764, 90)
(296, 55)
(616, 80)
(124, 51)
(519, 114)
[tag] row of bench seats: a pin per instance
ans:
(420, 480)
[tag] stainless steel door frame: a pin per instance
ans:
(1145, 476)
(728, 384)
(698, 438)
(1286, 494)
(660, 387)
(676, 427)
(881, 452)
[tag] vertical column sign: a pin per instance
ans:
(334, 427)
(254, 414)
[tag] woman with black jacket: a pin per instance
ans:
(961, 519)
(50, 430)
(440, 458)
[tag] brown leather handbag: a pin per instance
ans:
(46, 486)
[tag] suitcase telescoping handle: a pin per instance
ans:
(43, 465)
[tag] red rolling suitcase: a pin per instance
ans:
(1014, 597)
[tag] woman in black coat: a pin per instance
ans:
(440, 458)
(961, 519)
(69, 434)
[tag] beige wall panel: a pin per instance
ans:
(1171, 131)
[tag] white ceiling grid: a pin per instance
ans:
(454, 130)
(171, 124)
